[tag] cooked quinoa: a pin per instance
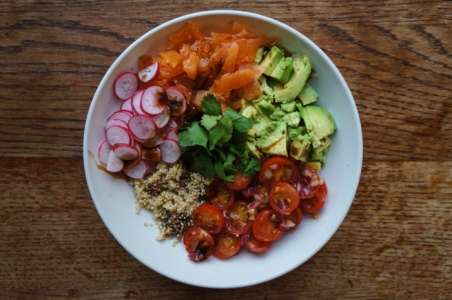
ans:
(171, 193)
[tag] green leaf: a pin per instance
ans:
(200, 162)
(220, 172)
(210, 106)
(241, 123)
(229, 163)
(237, 144)
(221, 133)
(195, 135)
(209, 121)
(250, 166)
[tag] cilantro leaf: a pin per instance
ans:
(220, 172)
(210, 106)
(228, 163)
(209, 121)
(200, 162)
(194, 135)
(249, 167)
(221, 133)
(241, 123)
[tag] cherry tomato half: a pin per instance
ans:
(198, 243)
(256, 246)
(240, 182)
(237, 218)
(222, 197)
(227, 246)
(291, 221)
(309, 181)
(315, 204)
(208, 217)
(266, 227)
(278, 168)
(284, 198)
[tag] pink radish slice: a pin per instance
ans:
(117, 135)
(136, 103)
(148, 73)
(151, 101)
(127, 105)
(172, 135)
(170, 151)
(142, 127)
(137, 170)
(103, 150)
(162, 118)
(176, 101)
(124, 115)
(116, 122)
(126, 85)
(125, 151)
(114, 164)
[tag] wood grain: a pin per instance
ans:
(396, 242)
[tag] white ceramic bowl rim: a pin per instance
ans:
(187, 17)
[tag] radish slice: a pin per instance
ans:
(151, 101)
(117, 135)
(139, 150)
(127, 105)
(136, 103)
(125, 151)
(148, 73)
(142, 127)
(176, 101)
(151, 154)
(137, 170)
(170, 151)
(103, 150)
(172, 125)
(172, 135)
(162, 118)
(126, 85)
(116, 122)
(114, 164)
(124, 115)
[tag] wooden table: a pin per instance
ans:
(396, 242)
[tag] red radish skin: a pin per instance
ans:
(170, 151)
(149, 73)
(125, 85)
(103, 150)
(117, 135)
(172, 135)
(172, 125)
(142, 127)
(116, 122)
(136, 103)
(124, 115)
(137, 169)
(151, 102)
(176, 101)
(162, 119)
(114, 164)
(127, 105)
(125, 151)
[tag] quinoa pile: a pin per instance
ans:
(171, 193)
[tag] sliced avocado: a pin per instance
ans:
(319, 123)
(290, 90)
(316, 165)
(249, 111)
(288, 107)
(271, 60)
(273, 136)
(292, 119)
(266, 89)
(278, 148)
(251, 145)
(265, 107)
(288, 72)
(260, 53)
(263, 126)
(299, 148)
(284, 65)
(319, 152)
(308, 95)
(294, 132)
(277, 115)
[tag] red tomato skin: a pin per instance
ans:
(237, 226)
(227, 245)
(284, 191)
(315, 204)
(198, 243)
(264, 228)
(255, 246)
(206, 213)
(240, 182)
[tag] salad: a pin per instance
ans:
(235, 110)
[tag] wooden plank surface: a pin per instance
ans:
(396, 242)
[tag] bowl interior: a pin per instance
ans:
(114, 199)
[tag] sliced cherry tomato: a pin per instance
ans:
(284, 198)
(223, 198)
(209, 217)
(256, 246)
(278, 168)
(237, 218)
(291, 221)
(309, 181)
(315, 204)
(227, 246)
(240, 182)
(198, 243)
(266, 227)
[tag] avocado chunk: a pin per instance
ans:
(249, 111)
(288, 72)
(284, 65)
(251, 145)
(308, 95)
(277, 115)
(260, 53)
(278, 148)
(266, 107)
(319, 152)
(263, 126)
(294, 132)
(271, 60)
(272, 135)
(266, 89)
(292, 119)
(299, 148)
(288, 107)
(301, 72)
(319, 123)
(316, 165)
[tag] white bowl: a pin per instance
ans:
(115, 202)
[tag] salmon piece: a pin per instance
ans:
(233, 81)
(189, 33)
(190, 65)
(248, 49)
(230, 60)
(170, 64)
(250, 91)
